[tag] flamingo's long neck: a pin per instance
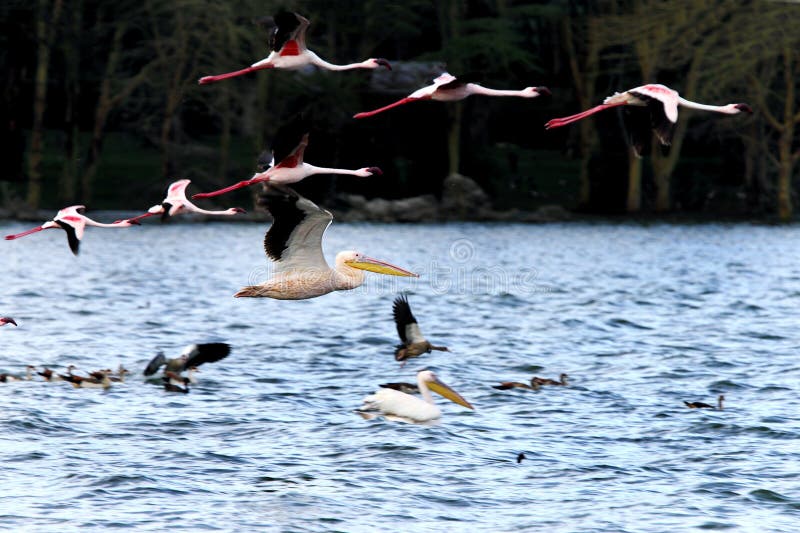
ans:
(193, 208)
(474, 88)
(726, 109)
(318, 61)
(311, 170)
(120, 224)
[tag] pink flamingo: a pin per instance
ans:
(176, 202)
(288, 45)
(73, 222)
(288, 148)
(662, 105)
(448, 88)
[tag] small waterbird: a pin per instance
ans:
(192, 356)
(701, 405)
(414, 343)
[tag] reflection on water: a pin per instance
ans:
(641, 318)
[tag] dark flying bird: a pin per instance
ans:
(414, 344)
(193, 355)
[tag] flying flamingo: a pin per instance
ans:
(176, 202)
(290, 143)
(288, 45)
(662, 105)
(7, 320)
(448, 88)
(73, 222)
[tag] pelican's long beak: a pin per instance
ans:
(443, 390)
(381, 267)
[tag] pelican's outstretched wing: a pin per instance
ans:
(294, 241)
(407, 327)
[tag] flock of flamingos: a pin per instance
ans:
(294, 240)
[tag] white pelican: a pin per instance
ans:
(397, 405)
(73, 222)
(701, 405)
(288, 45)
(414, 344)
(7, 320)
(448, 88)
(176, 202)
(192, 356)
(661, 103)
(294, 243)
(287, 165)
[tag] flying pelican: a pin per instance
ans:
(5, 378)
(662, 105)
(73, 222)
(414, 344)
(397, 405)
(289, 52)
(192, 356)
(294, 243)
(290, 143)
(176, 202)
(701, 405)
(448, 88)
(7, 320)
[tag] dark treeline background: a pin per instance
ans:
(100, 103)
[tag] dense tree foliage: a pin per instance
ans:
(100, 101)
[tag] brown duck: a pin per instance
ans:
(701, 405)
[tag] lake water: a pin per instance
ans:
(640, 317)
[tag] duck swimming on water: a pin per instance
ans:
(701, 405)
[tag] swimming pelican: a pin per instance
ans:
(414, 344)
(288, 45)
(73, 222)
(192, 356)
(294, 243)
(397, 405)
(7, 320)
(176, 202)
(287, 165)
(448, 88)
(701, 405)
